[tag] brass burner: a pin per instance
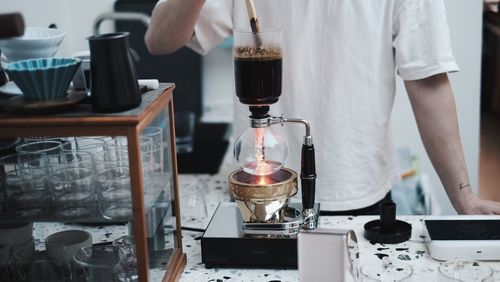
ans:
(259, 201)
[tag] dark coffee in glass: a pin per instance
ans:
(258, 74)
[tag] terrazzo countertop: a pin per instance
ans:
(412, 253)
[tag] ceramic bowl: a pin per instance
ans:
(64, 245)
(15, 233)
(37, 42)
(43, 79)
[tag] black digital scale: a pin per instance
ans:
(224, 243)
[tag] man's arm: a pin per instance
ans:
(434, 108)
(172, 25)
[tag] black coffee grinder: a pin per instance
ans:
(259, 229)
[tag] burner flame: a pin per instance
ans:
(264, 180)
(262, 167)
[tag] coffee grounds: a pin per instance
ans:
(246, 52)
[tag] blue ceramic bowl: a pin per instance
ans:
(43, 79)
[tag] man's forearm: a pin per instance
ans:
(434, 108)
(172, 24)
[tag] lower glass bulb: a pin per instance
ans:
(260, 151)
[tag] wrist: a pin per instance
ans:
(462, 202)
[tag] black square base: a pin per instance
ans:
(224, 245)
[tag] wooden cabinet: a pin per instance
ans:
(156, 110)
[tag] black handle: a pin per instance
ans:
(387, 217)
(308, 176)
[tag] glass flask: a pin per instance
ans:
(260, 151)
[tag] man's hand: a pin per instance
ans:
(476, 205)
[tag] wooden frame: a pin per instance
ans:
(83, 122)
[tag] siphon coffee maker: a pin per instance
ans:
(260, 228)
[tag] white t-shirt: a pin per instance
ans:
(339, 65)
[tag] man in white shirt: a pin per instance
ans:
(341, 58)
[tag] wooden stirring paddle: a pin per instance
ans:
(254, 22)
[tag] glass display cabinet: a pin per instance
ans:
(113, 176)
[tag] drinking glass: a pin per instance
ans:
(69, 159)
(386, 270)
(118, 155)
(38, 139)
(464, 271)
(115, 200)
(72, 191)
(51, 148)
(127, 245)
(192, 200)
(146, 143)
(15, 161)
(65, 141)
(113, 156)
(26, 192)
(118, 141)
(91, 145)
(120, 144)
(101, 263)
(147, 159)
(22, 180)
(156, 135)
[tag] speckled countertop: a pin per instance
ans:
(413, 253)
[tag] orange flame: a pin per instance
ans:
(262, 167)
(264, 180)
